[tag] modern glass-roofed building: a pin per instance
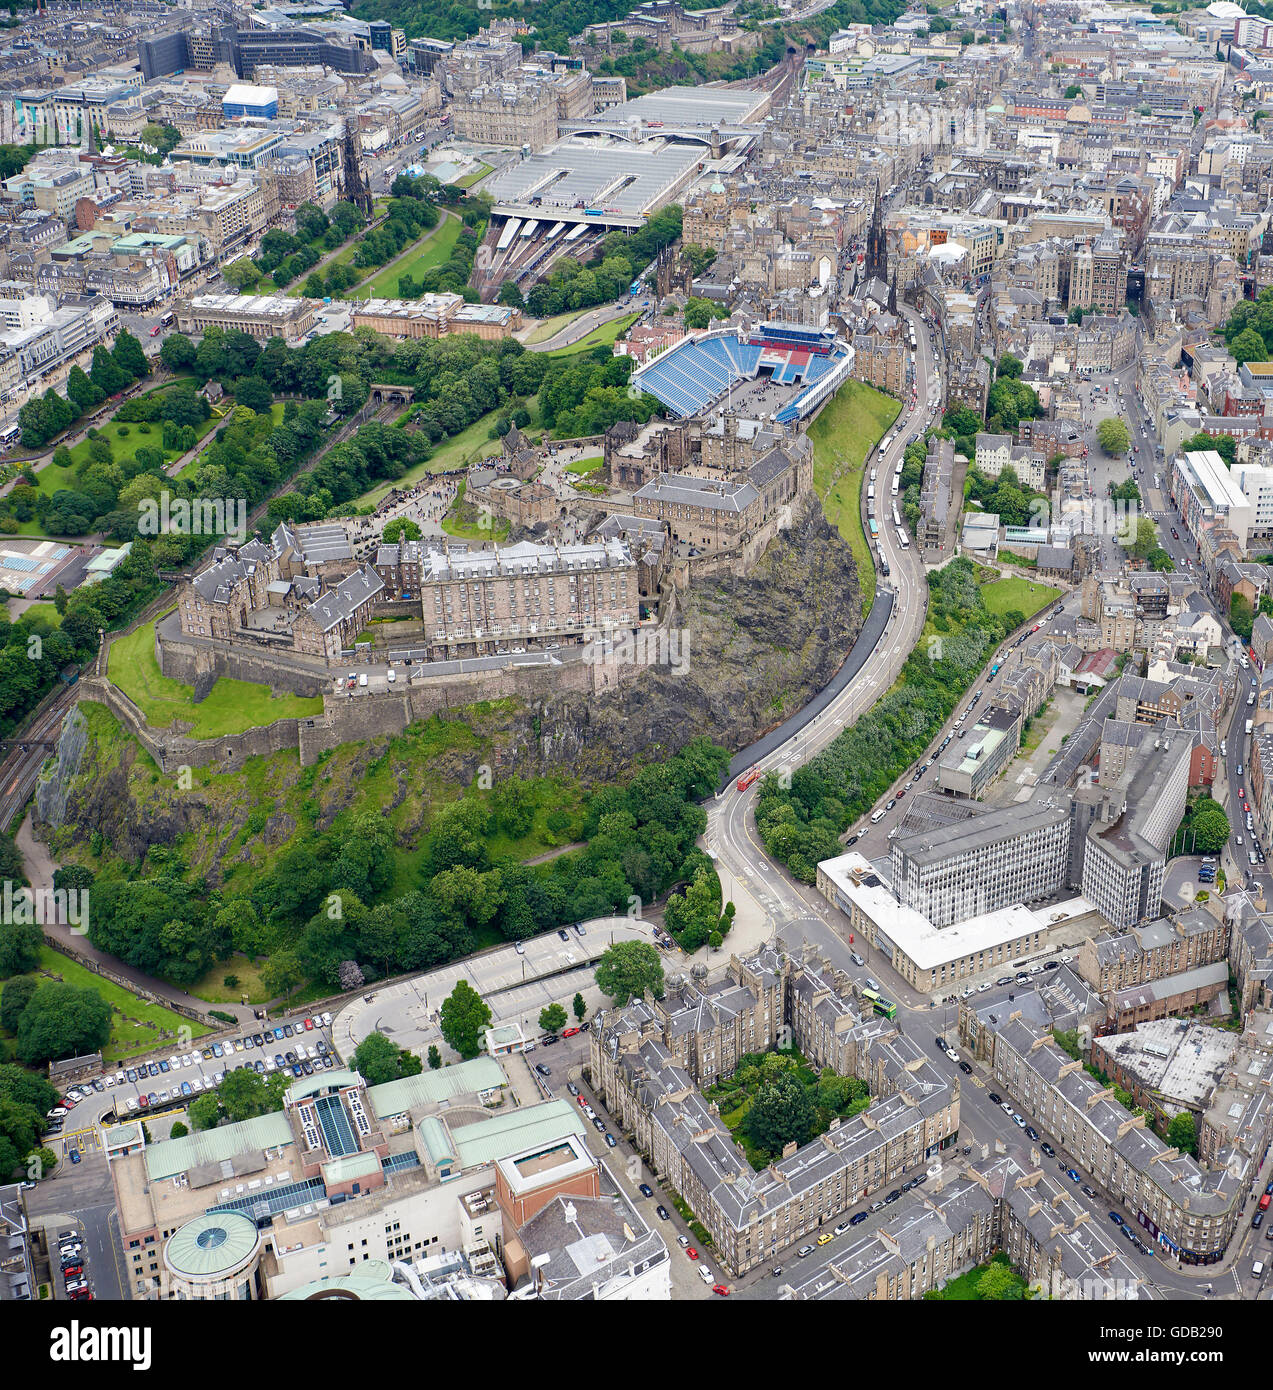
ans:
(343, 1176)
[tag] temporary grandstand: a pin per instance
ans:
(694, 375)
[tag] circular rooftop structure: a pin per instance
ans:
(217, 1246)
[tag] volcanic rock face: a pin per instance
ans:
(749, 653)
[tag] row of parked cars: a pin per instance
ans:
(303, 1061)
(74, 1262)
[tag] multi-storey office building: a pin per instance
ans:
(1016, 854)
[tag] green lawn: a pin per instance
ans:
(230, 708)
(136, 1026)
(47, 611)
(599, 337)
(850, 425)
(473, 176)
(123, 445)
(212, 989)
(53, 478)
(432, 250)
(1025, 595)
(584, 466)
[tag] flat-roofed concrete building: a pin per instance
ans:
(1130, 828)
(934, 958)
(1014, 854)
(969, 765)
(1206, 492)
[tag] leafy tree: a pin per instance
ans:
(692, 917)
(178, 1130)
(1146, 538)
(552, 1019)
(401, 528)
(579, 1007)
(782, 1112)
(129, 357)
(20, 944)
(253, 392)
(1113, 435)
(1010, 366)
(1249, 346)
(464, 1019)
(177, 353)
(1072, 91)
(14, 997)
(205, 1111)
(435, 1057)
(243, 274)
(106, 374)
(1209, 826)
(1000, 1284)
(700, 312)
(511, 295)
(62, 1021)
(282, 973)
(1241, 616)
(1182, 1132)
(628, 969)
(380, 1060)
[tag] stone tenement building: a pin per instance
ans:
(302, 594)
(1190, 1210)
(705, 514)
(1153, 951)
(648, 1060)
(476, 602)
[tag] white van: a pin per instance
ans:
(393, 675)
(1257, 1268)
(878, 816)
(362, 679)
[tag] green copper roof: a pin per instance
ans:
(215, 1243)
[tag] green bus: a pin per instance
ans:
(885, 1007)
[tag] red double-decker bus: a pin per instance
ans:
(748, 778)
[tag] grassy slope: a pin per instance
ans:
(231, 706)
(405, 779)
(846, 431)
(1025, 595)
(469, 446)
(434, 249)
(136, 1026)
(604, 336)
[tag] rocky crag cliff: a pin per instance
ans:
(754, 651)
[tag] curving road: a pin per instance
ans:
(891, 632)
